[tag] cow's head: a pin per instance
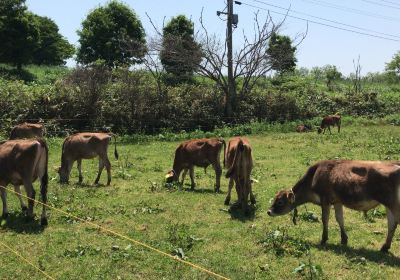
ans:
(64, 174)
(283, 203)
(171, 176)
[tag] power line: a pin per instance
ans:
(323, 24)
(328, 20)
(395, 3)
(351, 10)
(381, 4)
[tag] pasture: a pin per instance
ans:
(196, 224)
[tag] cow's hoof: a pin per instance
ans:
(216, 190)
(4, 216)
(323, 242)
(43, 222)
(253, 201)
(24, 209)
(385, 249)
(227, 201)
(343, 240)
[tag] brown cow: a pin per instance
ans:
(197, 152)
(239, 163)
(86, 145)
(303, 128)
(329, 121)
(21, 163)
(27, 130)
(358, 185)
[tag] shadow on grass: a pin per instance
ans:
(88, 185)
(369, 254)
(205, 190)
(238, 214)
(20, 223)
(14, 74)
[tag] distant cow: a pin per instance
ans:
(358, 185)
(329, 121)
(21, 163)
(239, 163)
(303, 128)
(27, 130)
(86, 145)
(197, 152)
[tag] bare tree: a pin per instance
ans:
(250, 62)
(356, 78)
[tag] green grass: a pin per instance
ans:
(259, 247)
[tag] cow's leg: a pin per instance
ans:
(392, 224)
(340, 221)
(43, 197)
(79, 166)
(338, 128)
(17, 189)
(325, 220)
(252, 197)
(329, 128)
(228, 196)
(4, 200)
(101, 166)
(218, 173)
(184, 175)
(108, 168)
(31, 197)
(191, 173)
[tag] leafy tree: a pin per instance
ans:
(331, 75)
(53, 49)
(282, 53)
(180, 54)
(393, 67)
(19, 35)
(112, 33)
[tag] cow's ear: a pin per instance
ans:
(290, 197)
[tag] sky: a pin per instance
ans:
(322, 45)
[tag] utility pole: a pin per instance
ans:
(231, 98)
(232, 20)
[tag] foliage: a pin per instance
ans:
(180, 54)
(393, 67)
(53, 49)
(282, 53)
(28, 38)
(108, 33)
(331, 75)
(19, 35)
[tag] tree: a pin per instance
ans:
(53, 49)
(331, 75)
(180, 54)
(282, 53)
(106, 33)
(393, 67)
(19, 35)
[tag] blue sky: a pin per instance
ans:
(323, 45)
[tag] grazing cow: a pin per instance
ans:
(303, 128)
(27, 130)
(86, 145)
(197, 152)
(329, 121)
(239, 163)
(21, 163)
(358, 185)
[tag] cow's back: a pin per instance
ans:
(198, 152)
(356, 182)
(85, 145)
(27, 130)
(21, 159)
(232, 147)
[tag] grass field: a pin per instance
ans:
(197, 223)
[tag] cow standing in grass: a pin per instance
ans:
(197, 152)
(27, 130)
(21, 163)
(86, 145)
(239, 162)
(328, 121)
(358, 185)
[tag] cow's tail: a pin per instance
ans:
(239, 149)
(224, 144)
(44, 181)
(115, 145)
